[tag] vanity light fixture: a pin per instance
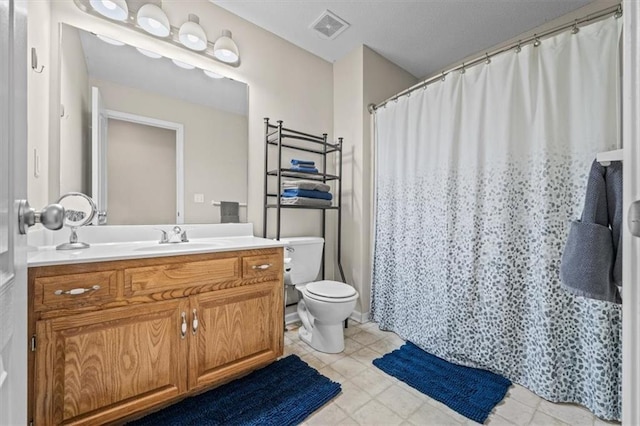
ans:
(153, 20)
(149, 53)
(212, 74)
(192, 35)
(184, 65)
(110, 40)
(225, 48)
(112, 9)
(147, 16)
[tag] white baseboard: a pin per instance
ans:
(291, 318)
(360, 317)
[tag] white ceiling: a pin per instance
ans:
(421, 36)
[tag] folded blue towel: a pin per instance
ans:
(307, 193)
(304, 169)
(297, 162)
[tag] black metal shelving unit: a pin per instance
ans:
(281, 137)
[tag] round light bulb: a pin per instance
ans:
(112, 9)
(149, 53)
(110, 40)
(184, 65)
(153, 20)
(225, 48)
(192, 35)
(212, 74)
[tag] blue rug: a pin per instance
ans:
(283, 393)
(469, 391)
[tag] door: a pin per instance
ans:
(13, 186)
(99, 126)
(236, 329)
(97, 367)
(631, 243)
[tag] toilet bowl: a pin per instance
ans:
(323, 308)
(324, 304)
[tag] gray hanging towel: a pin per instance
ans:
(229, 212)
(587, 265)
(613, 180)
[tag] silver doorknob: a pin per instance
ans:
(633, 218)
(51, 217)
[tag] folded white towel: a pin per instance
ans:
(306, 184)
(303, 201)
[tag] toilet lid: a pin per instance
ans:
(333, 289)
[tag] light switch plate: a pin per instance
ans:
(198, 198)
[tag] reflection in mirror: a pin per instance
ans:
(151, 141)
(79, 210)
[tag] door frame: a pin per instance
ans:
(13, 107)
(162, 124)
(631, 244)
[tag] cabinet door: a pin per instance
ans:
(238, 329)
(96, 367)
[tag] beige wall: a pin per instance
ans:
(360, 78)
(39, 16)
(75, 101)
(139, 191)
(215, 146)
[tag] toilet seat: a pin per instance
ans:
(330, 291)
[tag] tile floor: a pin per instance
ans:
(370, 397)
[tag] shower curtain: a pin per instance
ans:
(477, 179)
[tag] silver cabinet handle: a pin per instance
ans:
(76, 291)
(194, 323)
(183, 327)
(262, 267)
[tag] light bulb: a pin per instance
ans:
(184, 65)
(112, 9)
(213, 74)
(110, 40)
(149, 53)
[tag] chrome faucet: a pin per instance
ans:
(178, 236)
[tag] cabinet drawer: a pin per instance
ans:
(262, 266)
(74, 290)
(176, 276)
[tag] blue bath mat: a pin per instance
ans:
(469, 391)
(283, 393)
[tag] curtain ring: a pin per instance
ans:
(443, 76)
(424, 87)
(618, 13)
(488, 61)
(536, 41)
(575, 28)
(462, 70)
(395, 99)
(519, 47)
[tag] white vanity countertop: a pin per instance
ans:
(103, 252)
(140, 241)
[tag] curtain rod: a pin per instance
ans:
(535, 39)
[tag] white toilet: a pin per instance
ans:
(325, 304)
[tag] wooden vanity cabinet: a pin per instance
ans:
(131, 348)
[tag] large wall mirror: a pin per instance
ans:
(151, 140)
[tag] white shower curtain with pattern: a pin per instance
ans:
(477, 179)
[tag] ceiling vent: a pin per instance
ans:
(329, 26)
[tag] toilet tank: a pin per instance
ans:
(306, 257)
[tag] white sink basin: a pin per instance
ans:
(171, 247)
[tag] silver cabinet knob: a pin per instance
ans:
(51, 217)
